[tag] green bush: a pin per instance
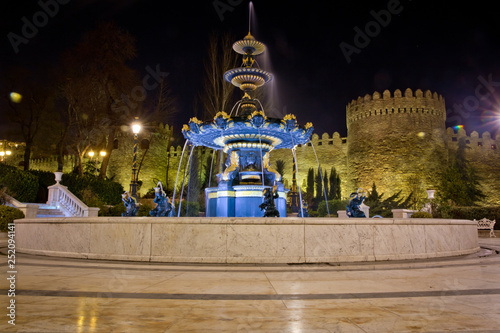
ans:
(333, 207)
(193, 208)
(8, 215)
(45, 179)
(21, 185)
(471, 213)
(107, 191)
(91, 199)
(115, 210)
(421, 215)
(313, 213)
(144, 209)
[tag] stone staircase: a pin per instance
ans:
(49, 211)
(61, 203)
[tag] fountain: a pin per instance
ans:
(248, 138)
(244, 236)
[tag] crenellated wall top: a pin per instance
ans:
(387, 103)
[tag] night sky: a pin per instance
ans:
(449, 47)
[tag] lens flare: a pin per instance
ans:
(15, 97)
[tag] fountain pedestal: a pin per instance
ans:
(241, 201)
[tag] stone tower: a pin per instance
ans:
(397, 141)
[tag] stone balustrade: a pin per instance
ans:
(68, 203)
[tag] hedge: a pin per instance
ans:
(8, 215)
(45, 179)
(107, 191)
(333, 207)
(20, 184)
(421, 215)
(471, 213)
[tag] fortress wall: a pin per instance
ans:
(331, 152)
(484, 154)
(394, 141)
(158, 158)
(50, 164)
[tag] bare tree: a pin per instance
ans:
(28, 112)
(217, 94)
(97, 82)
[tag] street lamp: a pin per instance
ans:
(4, 153)
(91, 155)
(102, 153)
(136, 128)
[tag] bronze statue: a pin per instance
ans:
(268, 205)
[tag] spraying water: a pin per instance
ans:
(250, 9)
(178, 170)
(251, 17)
(184, 181)
(211, 165)
(322, 181)
(297, 173)
(261, 159)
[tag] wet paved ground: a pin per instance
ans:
(70, 295)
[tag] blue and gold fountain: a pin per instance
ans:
(247, 138)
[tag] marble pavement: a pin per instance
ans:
(456, 294)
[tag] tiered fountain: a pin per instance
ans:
(248, 138)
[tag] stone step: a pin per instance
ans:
(49, 212)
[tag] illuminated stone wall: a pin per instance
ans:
(393, 140)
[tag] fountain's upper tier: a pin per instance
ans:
(247, 78)
(249, 45)
(253, 131)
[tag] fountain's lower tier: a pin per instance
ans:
(246, 240)
(240, 201)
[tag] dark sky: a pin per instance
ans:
(450, 47)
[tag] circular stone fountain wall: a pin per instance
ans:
(246, 240)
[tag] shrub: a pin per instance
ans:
(193, 208)
(471, 213)
(144, 209)
(91, 199)
(313, 213)
(108, 192)
(45, 179)
(8, 215)
(421, 215)
(115, 210)
(333, 207)
(21, 185)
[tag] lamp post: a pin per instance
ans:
(4, 152)
(136, 128)
(91, 155)
(102, 153)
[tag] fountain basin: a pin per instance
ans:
(246, 240)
